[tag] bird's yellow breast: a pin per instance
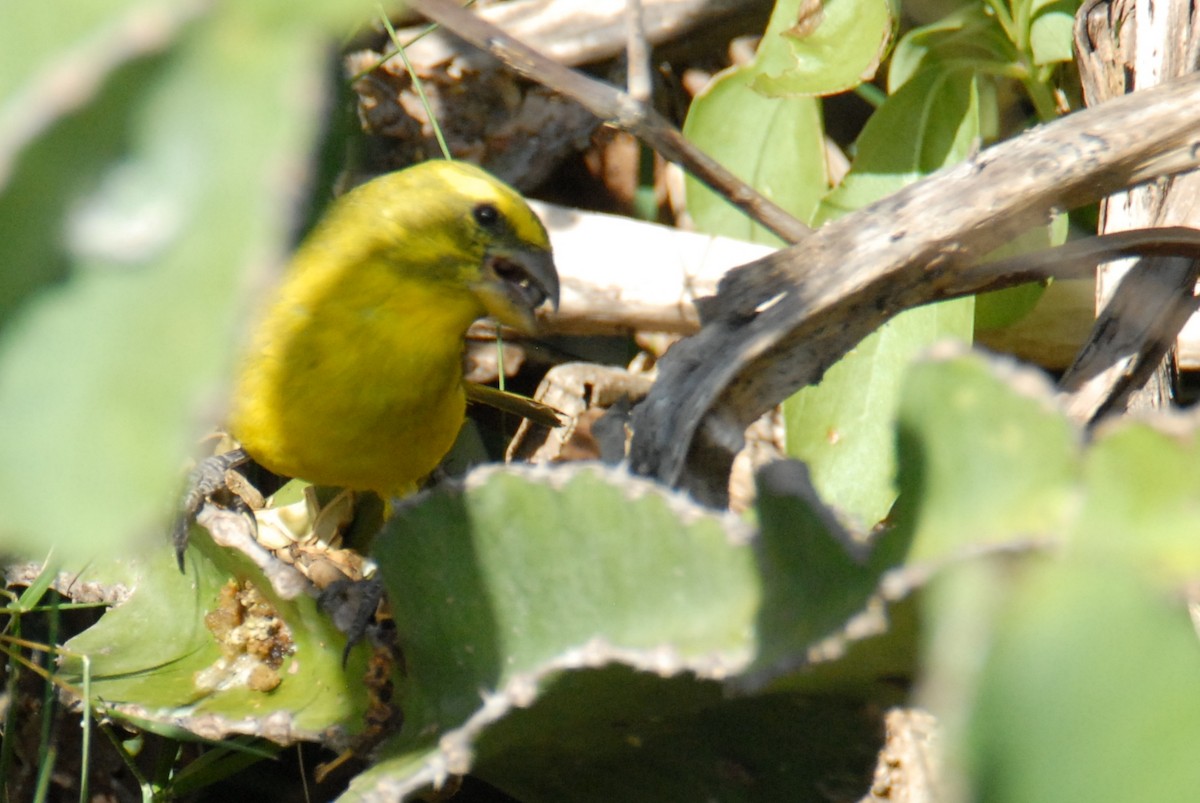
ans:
(355, 383)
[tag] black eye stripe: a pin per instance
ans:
(486, 215)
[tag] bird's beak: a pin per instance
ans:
(515, 283)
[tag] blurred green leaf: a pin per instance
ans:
(967, 37)
(1060, 592)
(186, 164)
(984, 458)
(43, 170)
(1051, 33)
(1141, 510)
(54, 63)
(1001, 308)
(1087, 693)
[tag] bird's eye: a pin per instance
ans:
(486, 215)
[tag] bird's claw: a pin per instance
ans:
(352, 605)
(205, 479)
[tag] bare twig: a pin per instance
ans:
(1138, 326)
(617, 109)
(637, 53)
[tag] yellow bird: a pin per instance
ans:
(353, 376)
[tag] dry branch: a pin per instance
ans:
(778, 323)
(621, 275)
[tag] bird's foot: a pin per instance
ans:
(206, 479)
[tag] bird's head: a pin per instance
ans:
(517, 275)
(466, 231)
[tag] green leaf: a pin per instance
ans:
(843, 426)
(1058, 592)
(54, 63)
(145, 653)
(489, 585)
(966, 38)
(984, 458)
(821, 48)
(777, 147)
(615, 734)
(817, 576)
(939, 112)
(107, 372)
(1074, 641)
(1140, 511)
(1051, 35)
(498, 589)
(511, 597)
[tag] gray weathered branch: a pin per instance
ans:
(778, 323)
